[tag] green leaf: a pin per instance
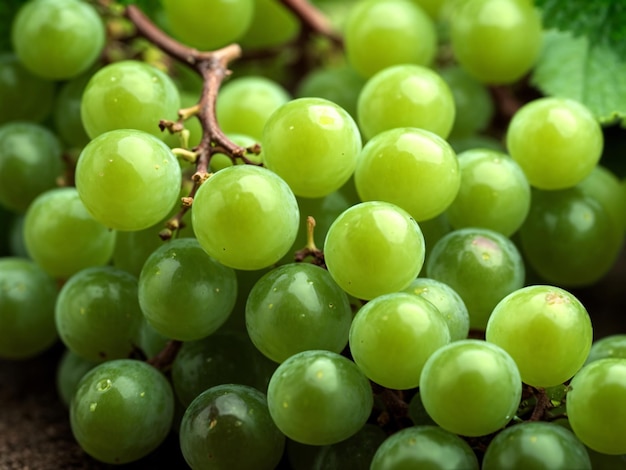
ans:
(573, 67)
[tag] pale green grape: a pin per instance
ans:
(57, 39)
(128, 179)
(97, 313)
(494, 193)
(405, 96)
(556, 141)
(208, 24)
(382, 33)
(497, 41)
(27, 297)
(319, 398)
(297, 307)
(476, 141)
(27, 149)
(70, 369)
(229, 427)
(610, 346)
(538, 445)
(312, 144)
(603, 186)
(481, 265)
(374, 248)
(432, 7)
(424, 447)
(596, 407)
(471, 387)
(546, 330)
(448, 302)
(128, 95)
(272, 25)
(245, 104)
(183, 292)
(62, 237)
(122, 411)
(245, 217)
(392, 336)
(412, 168)
(66, 113)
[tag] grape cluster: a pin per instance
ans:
(349, 264)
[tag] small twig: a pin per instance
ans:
(313, 20)
(542, 405)
(163, 360)
(311, 249)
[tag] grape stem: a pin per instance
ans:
(311, 249)
(541, 406)
(313, 20)
(164, 359)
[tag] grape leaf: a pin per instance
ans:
(594, 74)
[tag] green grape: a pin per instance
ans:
(374, 248)
(610, 346)
(476, 141)
(302, 456)
(355, 453)
(425, 447)
(245, 282)
(546, 330)
(434, 230)
(569, 238)
(405, 96)
(382, 33)
(70, 369)
(149, 340)
(122, 411)
(66, 113)
(392, 336)
(474, 105)
(496, 41)
(538, 445)
(208, 24)
(596, 407)
(415, 169)
(24, 96)
(57, 39)
(481, 265)
(603, 186)
(61, 236)
(447, 301)
(224, 357)
(128, 95)
(183, 292)
(97, 313)
(312, 144)
(494, 193)
(340, 84)
(556, 141)
(27, 149)
(17, 246)
(319, 398)
(297, 307)
(229, 427)
(273, 24)
(418, 413)
(432, 7)
(128, 179)
(27, 297)
(245, 104)
(245, 217)
(471, 387)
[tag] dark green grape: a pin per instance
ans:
(66, 113)
(70, 369)
(355, 453)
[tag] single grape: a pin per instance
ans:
(418, 413)
(405, 96)
(128, 179)
(319, 397)
(382, 33)
(610, 346)
(229, 427)
(546, 330)
(97, 313)
(245, 217)
(374, 248)
(27, 149)
(128, 95)
(556, 141)
(539, 445)
(62, 237)
(149, 341)
(424, 447)
(475, 141)
(496, 41)
(57, 39)
(412, 168)
(272, 25)
(122, 411)
(471, 387)
(604, 186)
(355, 453)
(27, 297)
(70, 369)
(447, 301)
(313, 144)
(66, 112)
(183, 292)
(596, 407)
